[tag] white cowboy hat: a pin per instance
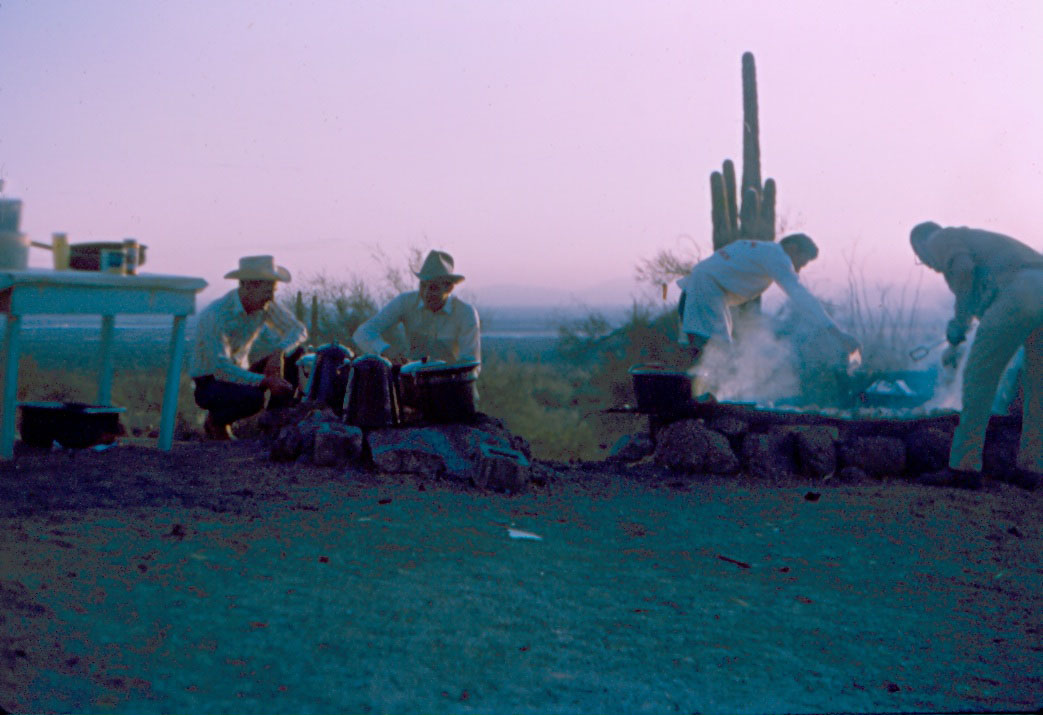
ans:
(259, 268)
(438, 264)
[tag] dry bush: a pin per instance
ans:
(886, 318)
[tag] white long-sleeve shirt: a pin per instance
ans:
(452, 334)
(745, 269)
(225, 333)
(976, 264)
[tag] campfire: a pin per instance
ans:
(850, 424)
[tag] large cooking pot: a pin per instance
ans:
(661, 390)
(440, 391)
(371, 396)
(87, 256)
(328, 377)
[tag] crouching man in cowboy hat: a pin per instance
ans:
(436, 324)
(224, 384)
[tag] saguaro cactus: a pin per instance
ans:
(756, 217)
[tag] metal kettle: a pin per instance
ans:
(329, 376)
(371, 398)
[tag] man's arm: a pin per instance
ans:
(285, 324)
(959, 275)
(807, 304)
(470, 339)
(215, 355)
(369, 337)
(781, 271)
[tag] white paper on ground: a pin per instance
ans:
(519, 534)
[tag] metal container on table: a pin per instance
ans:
(87, 256)
(14, 245)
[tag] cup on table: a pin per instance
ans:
(60, 251)
(113, 261)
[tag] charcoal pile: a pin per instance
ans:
(480, 451)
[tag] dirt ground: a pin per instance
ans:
(208, 579)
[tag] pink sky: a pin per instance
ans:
(544, 144)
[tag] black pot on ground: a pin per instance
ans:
(371, 396)
(661, 390)
(442, 392)
(329, 376)
(71, 424)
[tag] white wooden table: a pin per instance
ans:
(41, 292)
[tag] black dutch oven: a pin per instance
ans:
(661, 390)
(72, 424)
(442, 392)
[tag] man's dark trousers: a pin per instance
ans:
(230, 401)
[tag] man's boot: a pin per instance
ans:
(216, 431)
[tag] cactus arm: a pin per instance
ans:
(751, 148)
(730, 195)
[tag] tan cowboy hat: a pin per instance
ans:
(438, 264)
(259, 268)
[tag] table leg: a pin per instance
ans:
(105, 371)
(170, 392)
(12, 336)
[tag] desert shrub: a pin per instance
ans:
(332, 308)
(649, 335)
(887, 319)
(538, 401)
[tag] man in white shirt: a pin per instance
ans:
(740, 272)
(436, 324)
(225, 384)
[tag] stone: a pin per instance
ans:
(497, 428)
(411, 461)
(452, 450)
(287, 445)
(876, 456)
(502, 470)
(336, 443)
(271, 422)
(927, 450)
(1000, 454)
(690, 446)
(769, 455)
(293, 440)
(850, 475)
(730, 426)
(631, 448)
(815, 450)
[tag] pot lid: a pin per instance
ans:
(438, 367)
(655, 369)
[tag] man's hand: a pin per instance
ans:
(848, 343)
(955, 333)
(951, 356)
(395, 356)
(276, 385)
(273, 366)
